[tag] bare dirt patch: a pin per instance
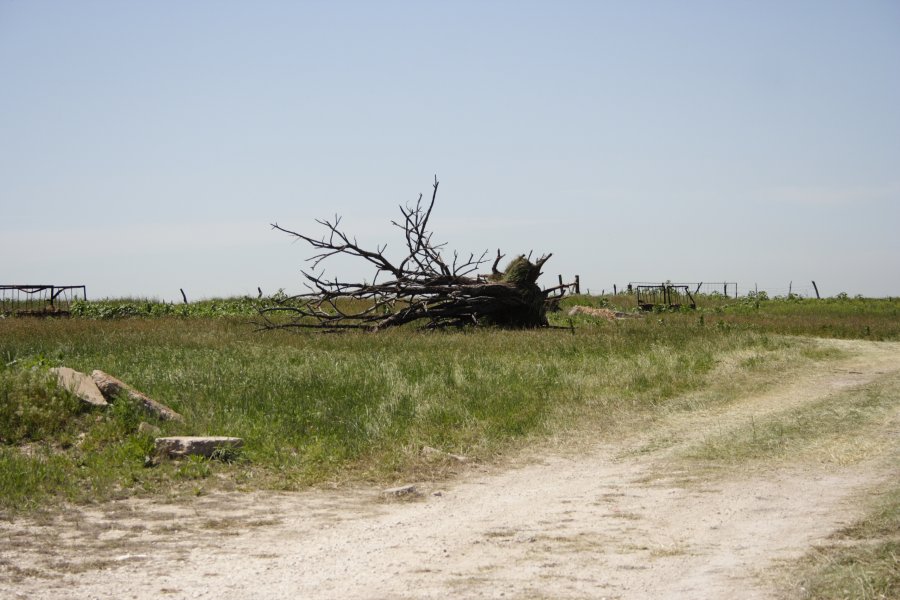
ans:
(624, 520)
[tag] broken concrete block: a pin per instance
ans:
(79, 384)
(207, 446)
(112, 387)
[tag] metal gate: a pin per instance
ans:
(39, 300)
(667, 295)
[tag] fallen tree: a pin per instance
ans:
(423, 286)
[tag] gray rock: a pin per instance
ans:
(208, 446)
(79, 384)
(111, 387)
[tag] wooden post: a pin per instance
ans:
(560, 280)
(815, 287)
(615, 292)
(577, 284)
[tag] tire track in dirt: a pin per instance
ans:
(609, 523)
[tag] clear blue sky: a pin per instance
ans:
(147, 146)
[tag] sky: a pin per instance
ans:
(147, 147)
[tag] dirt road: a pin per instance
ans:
(630, 520)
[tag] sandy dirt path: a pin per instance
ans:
(624, 521)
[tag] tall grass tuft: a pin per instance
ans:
(33, 407)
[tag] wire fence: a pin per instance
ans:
(728, 289)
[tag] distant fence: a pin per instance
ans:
(729, 289)
(678, 294)
(39, 299)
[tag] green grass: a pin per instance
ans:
(838, 317)
(34, 408)
(314, 408)
(136, 307)
(859, 318)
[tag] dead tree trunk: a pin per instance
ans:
(423, 287)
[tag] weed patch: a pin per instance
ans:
(821, 427)
(34, 408)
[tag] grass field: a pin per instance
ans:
(316, 408)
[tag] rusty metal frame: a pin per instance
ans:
(39, 299)
(669, 293)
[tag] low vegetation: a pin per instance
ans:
(834, 422)
(860, 561)
(122, 308)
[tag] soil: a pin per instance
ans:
(627, 520)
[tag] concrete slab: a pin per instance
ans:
(80, 384)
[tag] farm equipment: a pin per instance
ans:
(665, 295)
(39, 300)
